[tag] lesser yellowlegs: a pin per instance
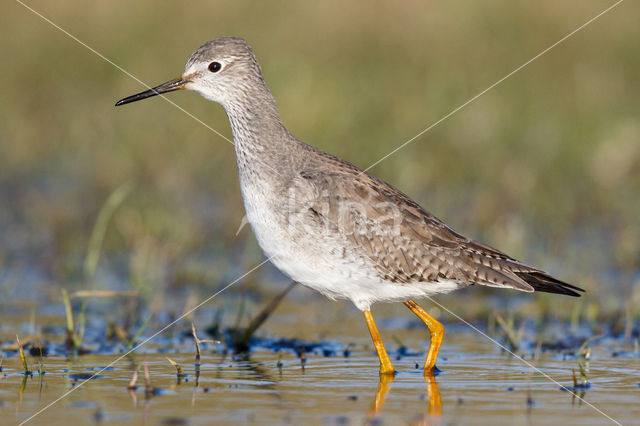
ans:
(330, 225)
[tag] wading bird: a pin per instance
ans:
(328, 224)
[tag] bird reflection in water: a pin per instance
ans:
(434, 401)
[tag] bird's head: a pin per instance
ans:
(221, 70)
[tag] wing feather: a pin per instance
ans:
(404, 242)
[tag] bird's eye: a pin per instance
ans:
(214, 66)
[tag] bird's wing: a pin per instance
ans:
(404, 242)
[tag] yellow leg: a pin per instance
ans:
(385, 363)
(435, 329)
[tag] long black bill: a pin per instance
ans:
(169, 86)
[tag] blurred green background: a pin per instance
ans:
(545, 166)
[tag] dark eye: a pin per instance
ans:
(214, 66)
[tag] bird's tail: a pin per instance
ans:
(546, 283)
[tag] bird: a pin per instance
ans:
(332, 226)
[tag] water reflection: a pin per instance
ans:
(433, 410)
(433, 396)
(384, 386)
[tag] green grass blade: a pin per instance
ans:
(100, 227)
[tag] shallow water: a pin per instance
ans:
(338, 383)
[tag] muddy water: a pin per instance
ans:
(337, 384)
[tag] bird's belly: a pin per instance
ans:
(324, 267)
(327, 262)
(340, 280)
(317, 260)
(307, 259)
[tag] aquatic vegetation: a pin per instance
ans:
(23, 359)
(75, 329)
(179, 373)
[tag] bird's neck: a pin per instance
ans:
(254, 118)
(261, 140)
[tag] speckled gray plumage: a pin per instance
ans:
(414, 246)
